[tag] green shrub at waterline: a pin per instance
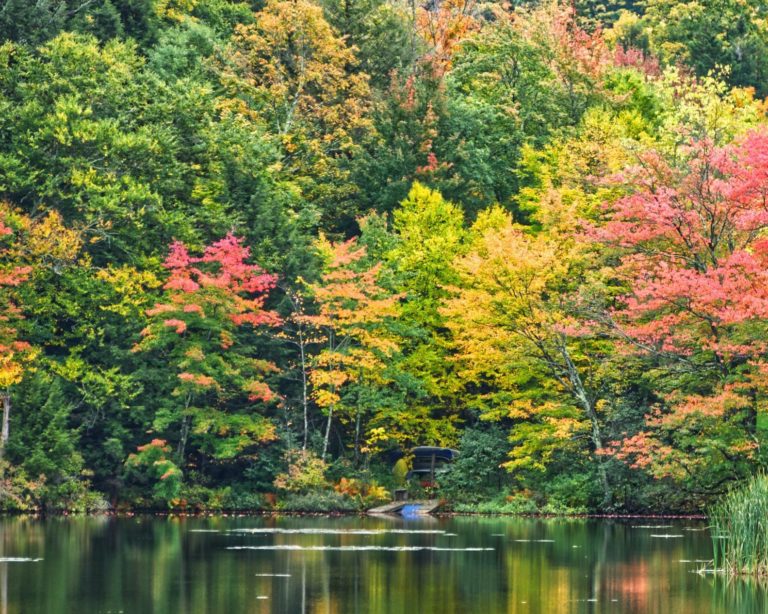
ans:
(740, 530)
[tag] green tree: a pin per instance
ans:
(726, 35)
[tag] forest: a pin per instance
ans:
(252, 253)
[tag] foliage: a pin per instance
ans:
(534, 231)
(727, 36)
(300, 77)
(327, 501)
(352, 311)
(208, 301)
(367, 493)
(151, 463)
(691, 233)
(478, 471)
(306, 473)
(514, 504)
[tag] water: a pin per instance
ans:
(361, 565)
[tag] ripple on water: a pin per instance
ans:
(296, 547)
(338, 531)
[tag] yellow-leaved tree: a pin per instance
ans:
(292, 70)
(521, 348)
(352, 312)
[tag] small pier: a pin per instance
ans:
(410, 508)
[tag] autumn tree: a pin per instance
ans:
(521, 350)
(727, 36)
(295, 72)
(426, 237)
(352, 309)
(693, 257)
(14, 352)
(211, 305)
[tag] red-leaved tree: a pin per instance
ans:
(694, 255)
(213, 304)
(14, 353)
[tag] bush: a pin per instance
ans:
(20, 493)
(365, 493)
(571, 493)
(306, 472)
(245, 500)
(518, 504)
(477, 472)
(151, 465)
(317, 501)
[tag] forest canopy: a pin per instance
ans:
(252, 253)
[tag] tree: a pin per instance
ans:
(34, 246)
(428, 234)
(295, 72)
(728, 35)
(382, 32)
(693, 257)
(133, 158)
(35, 23)
(14, 352)
(212, 304)
(462, 129)
(352, 309)
(521, 349)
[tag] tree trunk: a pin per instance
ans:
(357, 435)
(580, 392)
(185, 424)
(304, 391)
(327, 432)
(6, 423)
(183, 440)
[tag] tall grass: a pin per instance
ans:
(740, 530)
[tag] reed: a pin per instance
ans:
(739, 523)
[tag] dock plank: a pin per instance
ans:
(424, 507)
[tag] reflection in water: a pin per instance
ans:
(360, 566)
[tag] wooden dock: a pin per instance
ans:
(395, 507)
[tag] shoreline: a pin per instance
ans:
(339, 514)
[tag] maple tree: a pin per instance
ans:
(694, 256)
(441, 27)
(352, 308)
(210, 301)
(14, 352)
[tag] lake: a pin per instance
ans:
(361, 565)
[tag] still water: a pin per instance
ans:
(361, 565)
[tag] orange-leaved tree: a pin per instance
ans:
(352, 314)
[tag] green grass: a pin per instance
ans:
(740, 530)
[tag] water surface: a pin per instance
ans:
(357, 565)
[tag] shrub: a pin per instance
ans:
(477, 472)
(519, 504)
(306, 472)
(151, 465)
(317, 501)
(366, 493)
